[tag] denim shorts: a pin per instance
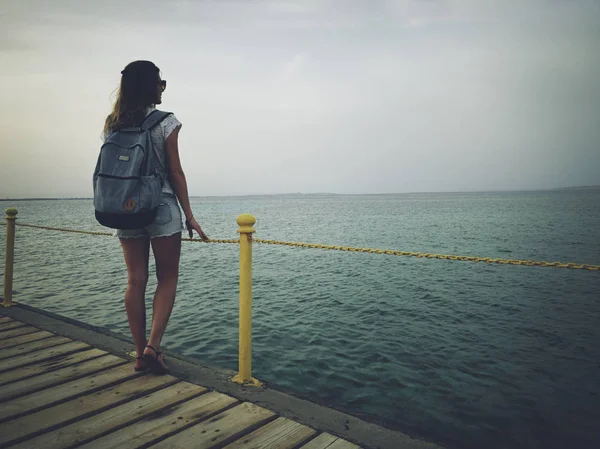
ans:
(168, 221)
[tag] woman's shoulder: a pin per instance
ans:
(169, 123)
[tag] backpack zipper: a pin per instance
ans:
(101, 175)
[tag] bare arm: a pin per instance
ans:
(177, 178)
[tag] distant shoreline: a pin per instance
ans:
(585, 188)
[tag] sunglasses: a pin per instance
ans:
(163, 84)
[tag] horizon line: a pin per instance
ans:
(586, 187)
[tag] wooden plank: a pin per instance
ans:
(5, 319)
(114, 418)
(11, 325)
(16, 332)
(26, 348)
(327, 441)
(81, 407)
(323, 441)
(49, 365)
(279, 434)
(168, 422)
(69, 390)
(25, 339)
(230, 424)
(343, 444)
(41, 355)
(52, 378)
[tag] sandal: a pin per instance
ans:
(154, 365)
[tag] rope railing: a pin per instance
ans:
(420, 255)
(489, 260)
(110, 234)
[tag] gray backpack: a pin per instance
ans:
(129, 177)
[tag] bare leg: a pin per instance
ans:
(136, 253)
(166, 254)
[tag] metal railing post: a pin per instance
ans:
(11, 216)
(244, 376)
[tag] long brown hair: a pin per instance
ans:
(137, 91)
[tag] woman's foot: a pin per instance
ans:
(155, 361)
(140, 364)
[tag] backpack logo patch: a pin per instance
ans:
(129, 204)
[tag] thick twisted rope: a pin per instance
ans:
(488, 260)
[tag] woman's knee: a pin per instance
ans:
(138, 280)
(167, 276)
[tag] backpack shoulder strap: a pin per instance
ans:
(151, 120)
(154, 118)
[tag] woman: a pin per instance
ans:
(140, 90)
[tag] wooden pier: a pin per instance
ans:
(59, 389)
(60, 393)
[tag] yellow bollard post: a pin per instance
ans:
(244, 376)
(11, 216)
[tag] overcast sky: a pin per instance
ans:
(309, 96)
